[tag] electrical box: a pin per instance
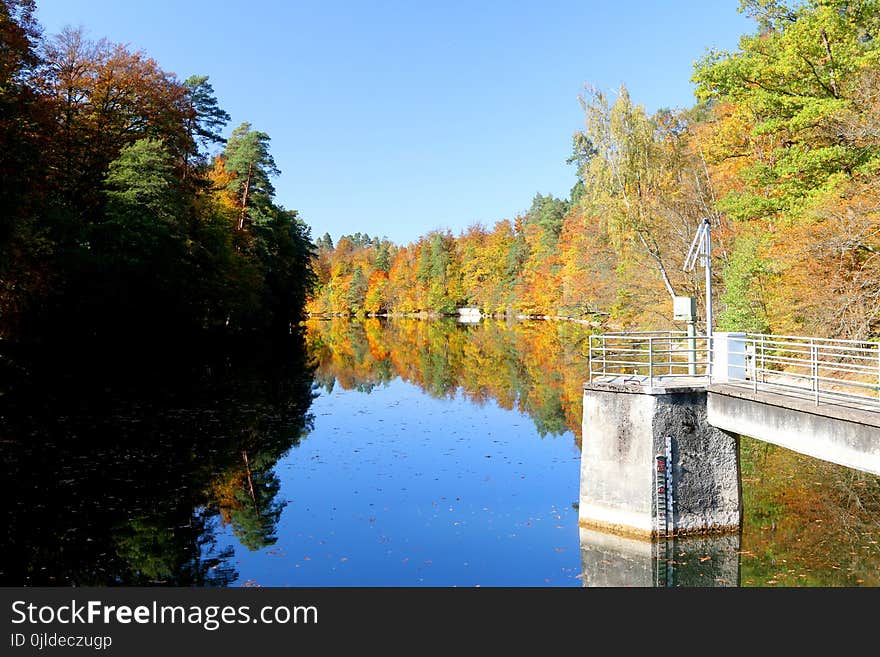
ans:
(684, 309)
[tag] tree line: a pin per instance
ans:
(781, 152)
(124, 212)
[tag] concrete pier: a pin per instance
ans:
(626, 425)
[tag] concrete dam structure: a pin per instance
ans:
(663, 413)
(626, 432)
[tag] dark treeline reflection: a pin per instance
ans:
(127, 480)
(534, 367)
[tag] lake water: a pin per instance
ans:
(381, 453)
(395, 487)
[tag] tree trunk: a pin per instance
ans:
(250, 480)
(244, 196)
(660, 266)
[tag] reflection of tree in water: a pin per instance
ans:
(246, 499)
(535, 367)
(807, 522)
(132, 488)
(549, 414)
(153, 554)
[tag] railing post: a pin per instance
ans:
(814, 369)
(710, 356)
(755, 363)
(650, 362)
(692, 348)
(590, 356)
(604, 357)
(762, 360)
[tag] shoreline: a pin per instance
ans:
(470, 317)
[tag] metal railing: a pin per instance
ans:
(819, 368)
(655, 355)
(824, 370)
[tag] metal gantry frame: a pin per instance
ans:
(701, 249)
(823, 369)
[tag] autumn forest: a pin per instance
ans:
(780, 152)
(125, 209)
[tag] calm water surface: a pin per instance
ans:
(398, 453)
(394, 487)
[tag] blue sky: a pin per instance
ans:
(397, 118)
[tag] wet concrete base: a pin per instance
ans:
(610, 560)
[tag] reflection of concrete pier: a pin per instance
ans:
(613, 560)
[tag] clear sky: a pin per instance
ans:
(396, 118)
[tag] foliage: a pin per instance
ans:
(250, 164)
(114, 224)
(781, 153)
(746, 276)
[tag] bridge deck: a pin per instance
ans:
(840, 408)
(844, 407)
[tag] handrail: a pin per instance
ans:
(654, 355)
(825, 370)
(629, 334)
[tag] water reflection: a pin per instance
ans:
(414, 472)
(807, 522)
(534, 367)
(111, 488)
(618, 561)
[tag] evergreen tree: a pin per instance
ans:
(357, 291)
(251, 165)
(209, 118)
